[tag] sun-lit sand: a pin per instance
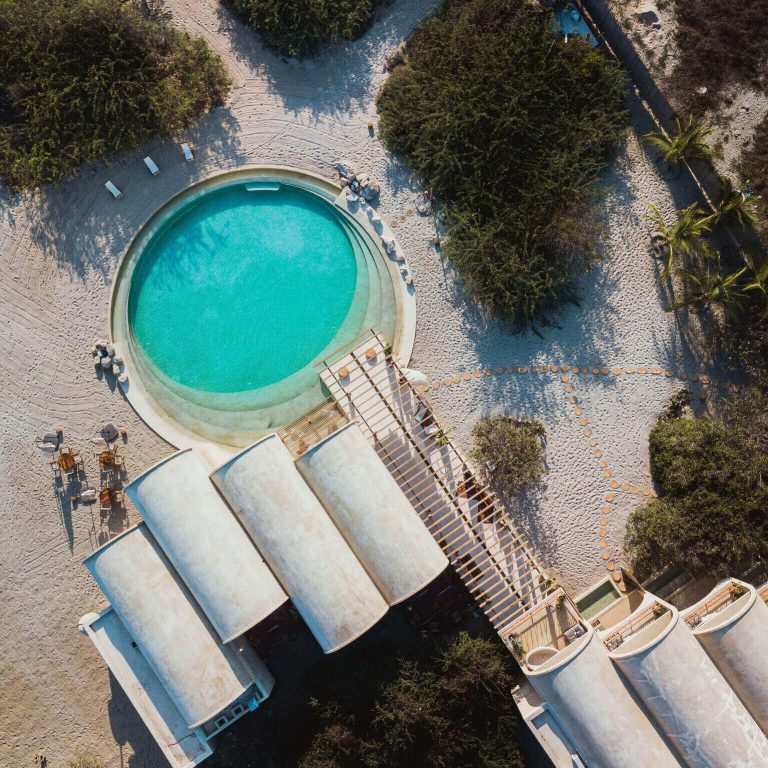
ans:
(58, 254)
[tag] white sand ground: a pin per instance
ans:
(58, 253)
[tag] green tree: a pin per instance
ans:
(509, 453)
(711, 517)
(509, 127)
(712, 287)
(689, 142)
(301, 27)
(733, 206)
(684, 237)
(89, 78)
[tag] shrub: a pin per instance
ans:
(754, 167)
(89, 78)
(509, 453)
(453, 710)
(711, 517)
(301, 27)
(510, 127)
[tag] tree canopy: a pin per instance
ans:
(452, 710)
(84, 79)
(301, 27)
(712, 516)
(510, 127)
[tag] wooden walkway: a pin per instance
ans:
(496, 564)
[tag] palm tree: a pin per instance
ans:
(713, 288)
(688, 142)
(685, 236)
(733, 206)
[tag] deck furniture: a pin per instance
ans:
(113, 190)
(188, 155)
(89, 495)
(151, 165)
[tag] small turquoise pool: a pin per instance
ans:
(243, 289)
(232, 293)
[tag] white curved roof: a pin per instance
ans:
(327, 583)
(207, 546)
(201, 675)
(372, 513)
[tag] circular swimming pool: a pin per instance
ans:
(233, 292)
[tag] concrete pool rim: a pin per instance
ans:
(135, 390)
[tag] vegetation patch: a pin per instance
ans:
(510, 127)
(712, 516)
(509, 453)
(721, 42)
(754, 171)
(84, 79)
(450, 710)
(301, 27)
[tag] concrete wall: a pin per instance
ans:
(327, 583)
(201, 676)
(206, 545)
(689, 699)
(594, 706)
(372, 513)
(737, 642)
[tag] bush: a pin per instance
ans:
(509, 453)
(721, 42)
(711, 518)
(89, 78)
(754, 168)
(510, 127)
(301, 27)
(449, 711)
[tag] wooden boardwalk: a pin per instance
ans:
(496, 564)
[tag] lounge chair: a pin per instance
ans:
(188, 155)
(113, 190)
(151, 166)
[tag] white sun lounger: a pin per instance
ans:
(113, 190)
(187, 152)
(151, 165)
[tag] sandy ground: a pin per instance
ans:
(58, 253)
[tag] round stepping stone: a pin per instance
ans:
(583, 422)
(424, 387)
(634, 489)
(564, 378)
(625, 486)
(522, 369)
(478, 374)
(575, 369)
(603, 533)
(602, 544)
(534, 369)
(646, 492)
(606, 510)
(587, 432)
(578, 411)
(467, 376)
(487, 371)
(603, 521)
(669, 374)
(456, 379)
(617, 371)
(595, 371)
(553, 368)
(573, 400)
(402, 217)
(436, 384)
(607, 474)
(604, 371)
(617, 576)
(614, 484)
(393, 223)
(564, 368)
(605, 555)
(705, 379)
(609, 497)
(655, 371)
(642, 370)
(610, 566)
(568, 389)
(499, 371)
(683, 376)
(448, 381)
(630, 369)
(603, 464)
(598, 453)
(694, 377)
(592, 443)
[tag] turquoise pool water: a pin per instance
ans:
(234, 291)
(243, 289)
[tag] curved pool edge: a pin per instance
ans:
(140, 398)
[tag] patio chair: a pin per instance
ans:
(151, 165)
(113, 190)
(69, 463)
(188, 154)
